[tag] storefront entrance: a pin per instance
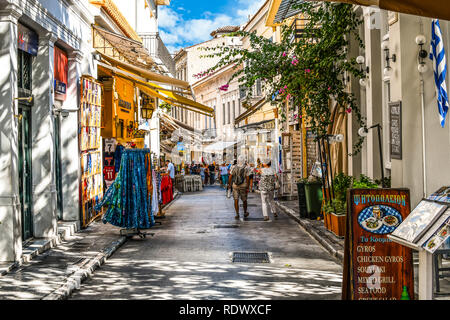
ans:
(58, 175)
(25, 171)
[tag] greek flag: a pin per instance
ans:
(437, 54)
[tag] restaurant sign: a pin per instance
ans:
(375, 267)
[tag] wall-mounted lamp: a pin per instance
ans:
(385, 47)
(335, 138)
(420, 41)
(361, 60)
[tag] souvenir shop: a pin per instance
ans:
(113, 108)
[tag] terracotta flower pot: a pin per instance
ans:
(337, 224)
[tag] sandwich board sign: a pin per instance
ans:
(375, 267)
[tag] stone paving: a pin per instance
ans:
(336, 244)
(189, 257)
(49, 271)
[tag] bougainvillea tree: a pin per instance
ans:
(310, 68)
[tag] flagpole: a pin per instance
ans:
(424, 156)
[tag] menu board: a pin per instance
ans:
(438, 234)
(427, 227)
(419, 221)
(375, 267)
(395, 118)
(442, 195)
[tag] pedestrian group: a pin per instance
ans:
(238, 179)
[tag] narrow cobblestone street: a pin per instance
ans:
(189, 257)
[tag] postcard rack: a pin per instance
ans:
(91, 185)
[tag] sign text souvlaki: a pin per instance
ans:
(370, 198)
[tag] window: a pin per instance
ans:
(229, 113)
(25, 61)
(223, 114)
(242, 92)
(258, 88)
(234, 110)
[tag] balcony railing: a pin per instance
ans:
(158, 50)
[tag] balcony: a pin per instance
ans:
(158, 51)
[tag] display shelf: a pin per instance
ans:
(91, 158)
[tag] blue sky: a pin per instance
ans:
(188, 22)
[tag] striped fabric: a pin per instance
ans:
(437, 54)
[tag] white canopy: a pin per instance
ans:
(219, 146)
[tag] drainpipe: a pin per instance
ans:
(424, 156)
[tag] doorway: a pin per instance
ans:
(58, 166)
(25, 171)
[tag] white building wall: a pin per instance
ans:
(404, 84)
(66, 23)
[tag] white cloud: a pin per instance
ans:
(177, 32)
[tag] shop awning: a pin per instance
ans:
(177, 100)
(120, 47)
(250, 111)
(167, 95)
(147, 74)
(428, 8)
(219, 146)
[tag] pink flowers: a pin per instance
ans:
(284, 54)
(308, 70)
(295, 62)
(349, 110)
(329, 88)
(203, 74)
(288, 97)
(224, 87)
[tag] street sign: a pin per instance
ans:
(375, 267)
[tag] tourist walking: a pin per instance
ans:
(230, 185)
(202, 173)
(252, 175)
(171, 171)
(212, 173)
(267, 185)
(239, 180)
(224, 175)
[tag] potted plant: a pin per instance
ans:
(337, 218)
(365, 182)
(336, 210)
(327, 210)
(302, 197)
(313, 197)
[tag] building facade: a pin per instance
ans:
(46, 52)
(208, 88)
(399, 94)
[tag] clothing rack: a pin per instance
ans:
(129, 197)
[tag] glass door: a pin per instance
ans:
(25, 172)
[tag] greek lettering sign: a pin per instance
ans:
(395, 116)
(375, 267)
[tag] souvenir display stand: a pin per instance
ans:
(91, 186)
(426, 230)
(129, 199)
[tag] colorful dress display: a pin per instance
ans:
(129, 197)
